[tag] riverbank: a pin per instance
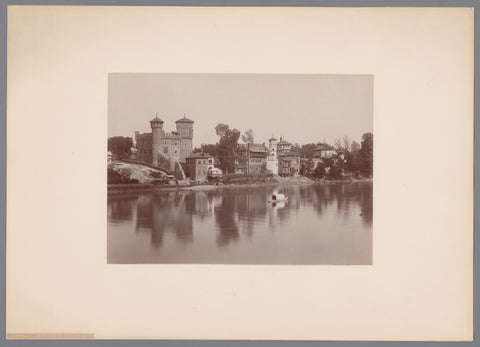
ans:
(148, 187)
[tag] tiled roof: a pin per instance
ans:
(257, 148)
(323, 147)
(283, 142)
(200, 156)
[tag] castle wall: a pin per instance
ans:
(186, 149)
(177, 145)
(185, 130)
(169, 145)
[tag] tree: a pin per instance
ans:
(336, 169)
(319, 171)
(366, 154)
(343, 144)
(120, 146)
(307, 167)
(355, 146)
(209, 149)
(338, 144)
(227, 147)
(248, 136)
(306, 150)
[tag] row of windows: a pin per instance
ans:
(204, 162)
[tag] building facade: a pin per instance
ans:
(322, 151)
(272, 158)
(198, 165)
(288, 164)
(283, 146)
(176, 144)
(256, 158)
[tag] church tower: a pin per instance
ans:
(185, 130)
(157, 134)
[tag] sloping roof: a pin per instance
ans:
(200, 156)
(283, 142)
(156, 119)
(184, 120)
(272, 139)
(323, 147)
(254, 147)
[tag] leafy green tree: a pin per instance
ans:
(120, 146)
(227, 147)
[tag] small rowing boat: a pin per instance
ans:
(278, 198)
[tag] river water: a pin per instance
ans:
(320, 224)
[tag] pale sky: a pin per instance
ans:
(301, 108)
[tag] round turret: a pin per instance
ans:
(157, 134)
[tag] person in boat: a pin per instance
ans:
(276, 196)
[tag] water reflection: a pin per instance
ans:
(194, 226)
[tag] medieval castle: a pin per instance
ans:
(157, 144)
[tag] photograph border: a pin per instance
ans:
(232, 3)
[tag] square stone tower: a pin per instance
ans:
(185, 130)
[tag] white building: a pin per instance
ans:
(272, 158)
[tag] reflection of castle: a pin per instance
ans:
(176, 144)
(164, 213)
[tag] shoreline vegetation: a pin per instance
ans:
(229, 182)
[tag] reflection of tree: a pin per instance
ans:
(164, 213)
(225, 219)
(144, 212)
(251, 208)
(366, 205)
(121, 208)
(345, 196)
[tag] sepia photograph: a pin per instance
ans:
(240, 173)
(240, 169)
